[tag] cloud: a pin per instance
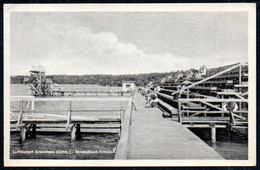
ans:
(80, 51)
(65, 45)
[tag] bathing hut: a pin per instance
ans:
(128, 86)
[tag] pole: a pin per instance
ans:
(213, 133)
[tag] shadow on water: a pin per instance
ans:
(59, 146)
(231, 145)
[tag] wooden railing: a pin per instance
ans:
(124, 141)
(35, 112)
(93, 93)
(25, 117)
(212, 107)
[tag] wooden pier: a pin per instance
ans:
(154, 137)
(73, 120)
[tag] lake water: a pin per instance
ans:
(59, 146)
(231, 145)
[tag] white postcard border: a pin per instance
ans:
(223, 7)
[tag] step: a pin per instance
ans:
(171, 109)
(204, 88)
(240, 127)
(194, 107)
(169, 97)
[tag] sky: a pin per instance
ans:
(79, 43)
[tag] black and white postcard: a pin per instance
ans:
(130, 84)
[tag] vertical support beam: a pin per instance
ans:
(23, 133)
(40, 83)
(69, 116)
(32, 104)
(78, 133)
(179, 107)
(20, 118)
(121, 116)
(73, 133)
(240, 75)
(240, 89)
(28, 104)
(34, 131)
(121, 119)
(222, 114)
(188, 96)
(213, 133)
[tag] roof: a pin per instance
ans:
(124, 81)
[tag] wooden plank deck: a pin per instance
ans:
(153, 137)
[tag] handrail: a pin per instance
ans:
(112, 99)
(73, 110)
(211, 100)
(88, 91)
(210, 77)
(19, 97)
(22, 111)
(124, 141)
(208, 102)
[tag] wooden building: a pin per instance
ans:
(128, 86)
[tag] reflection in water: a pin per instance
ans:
(230, 145)
(59, 146)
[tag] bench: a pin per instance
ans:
(164, 106)
(169, 97)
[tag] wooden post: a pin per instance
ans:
(23, 133)
(69, 116)
(32, 103)
(40, 83)
(78, 133)
(121, 120)
(213, 133)
(188, 96)
(20, 118)
(34, 131)
(28, 105)
(179, 107)
(239, 89)
(73, 133)
(240, 75)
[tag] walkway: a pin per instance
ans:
(154, 137)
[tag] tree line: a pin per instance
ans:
(100, 79)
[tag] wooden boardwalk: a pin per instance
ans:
(154, 137)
